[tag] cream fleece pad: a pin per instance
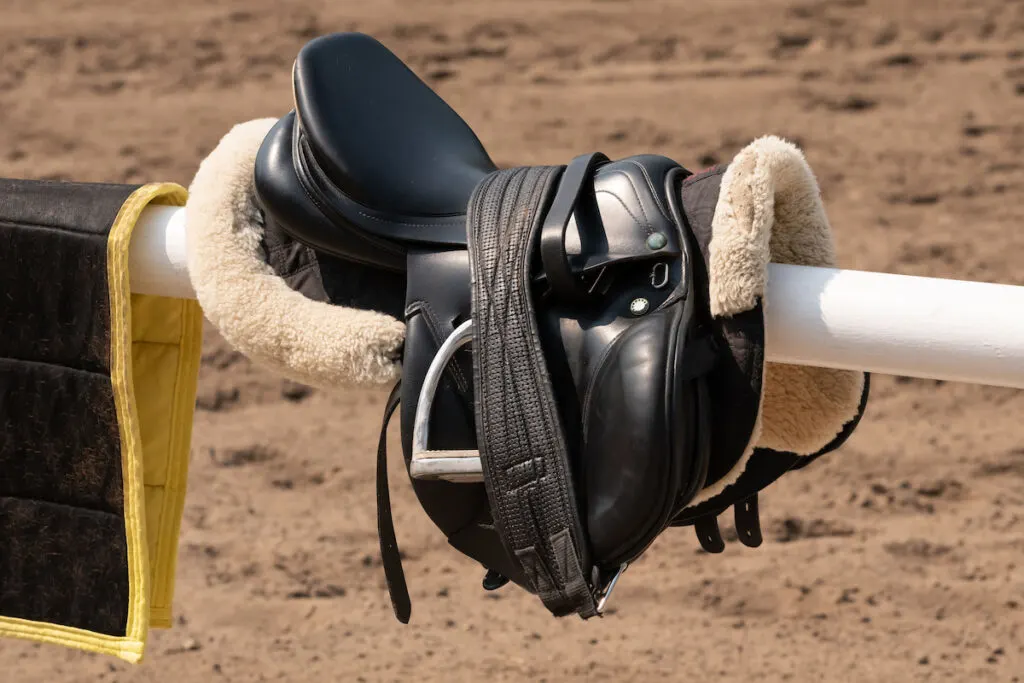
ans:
(770, 210)
(313, 342)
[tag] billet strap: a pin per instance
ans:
(709, 535)
(748, 522)
(523, 449)
(748, 527)
(390, 555)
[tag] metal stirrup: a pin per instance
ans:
(457, 465)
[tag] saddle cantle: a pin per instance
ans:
(564, 363)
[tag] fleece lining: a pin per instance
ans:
(769, 209)
(313, 342)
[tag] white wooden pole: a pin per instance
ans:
(875, 322)
(156, 256)
(896, 324)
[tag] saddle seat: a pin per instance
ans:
(372, 161)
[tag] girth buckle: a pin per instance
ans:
(603, 594)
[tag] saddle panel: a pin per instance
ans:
(379, 134)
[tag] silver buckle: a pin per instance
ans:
(606, 592)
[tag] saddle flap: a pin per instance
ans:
(641, 431)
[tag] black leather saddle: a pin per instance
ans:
(557, 316)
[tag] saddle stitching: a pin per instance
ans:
(451, 219)
(650, 184)
(640, 224)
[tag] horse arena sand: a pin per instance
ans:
(899, 558)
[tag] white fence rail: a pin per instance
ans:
(876, 322)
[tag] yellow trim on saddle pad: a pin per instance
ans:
(155, 345)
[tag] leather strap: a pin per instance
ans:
(552, 236)
(709, 535)
(523, 448)
(390, 555)
(748, 522)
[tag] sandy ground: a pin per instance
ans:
(899, 558)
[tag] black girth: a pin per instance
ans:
(523, 446)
